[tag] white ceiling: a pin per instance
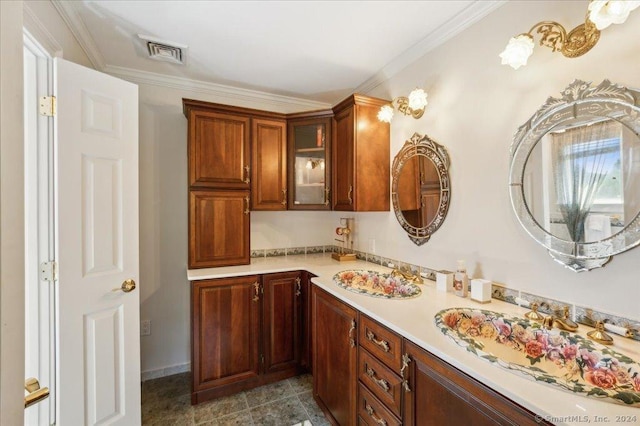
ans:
(314, 50)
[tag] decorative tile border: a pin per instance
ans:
(547, 305)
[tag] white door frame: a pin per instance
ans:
(39, 231)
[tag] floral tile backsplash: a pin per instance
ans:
(547, 305)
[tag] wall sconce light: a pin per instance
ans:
(413, 105)
(578, 41)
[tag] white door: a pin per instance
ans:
(98, 352)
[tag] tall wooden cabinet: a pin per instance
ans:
(237, 162)
(335, 336)
(361, 169)
(246, 332)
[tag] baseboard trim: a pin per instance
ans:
(166, 371)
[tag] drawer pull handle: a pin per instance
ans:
(382, 343)
(405, 363)
(284, 197)
(380, 382)
(352, 341)
(298, 287)
(349, 194)
(256, 287)
(326, 196)
(247, 169)
(372, 414)
(246, 209)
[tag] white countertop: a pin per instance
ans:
(414, 319)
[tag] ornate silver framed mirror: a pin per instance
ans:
(575, 174)
(420, 188)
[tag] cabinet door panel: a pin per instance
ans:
(226, 331)
(309, 163)
(334, 357)
(443, 395)
(218, 228)
(281, 321)
(343, 161)
(269, 165)
(218, 150)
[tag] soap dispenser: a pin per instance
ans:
(461, 280)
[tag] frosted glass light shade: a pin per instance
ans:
(417, 99)
(517, 51)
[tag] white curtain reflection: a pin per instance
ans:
(582, 158)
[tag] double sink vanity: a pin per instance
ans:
(410, 360)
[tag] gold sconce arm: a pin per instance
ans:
(571, 44)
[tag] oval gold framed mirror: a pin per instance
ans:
(420, 188)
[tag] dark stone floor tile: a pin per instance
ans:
(219, 407)
(313, 411)
(284, 412)
(268, 393)
(242, 418)
(302, 383)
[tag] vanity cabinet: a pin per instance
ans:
(335, 378)
(440, 395)
(309, 160)
(360, 158)
(246, 332)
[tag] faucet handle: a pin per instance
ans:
(533, 314)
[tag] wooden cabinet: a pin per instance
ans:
(379, 365)
(268, 164)
(334, 334)
(310, 161)
(306, 360)
(246, 332)
(225, 341)
(218, 228)
(442, 395)
(360, 157)
(282, 321)
(220, 141)
(218, 148)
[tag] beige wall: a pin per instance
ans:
(11, 216)
(475, 106)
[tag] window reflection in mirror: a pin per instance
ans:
(581, 180)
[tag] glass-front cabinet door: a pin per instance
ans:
(309, 165)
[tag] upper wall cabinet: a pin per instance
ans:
(218, 149)
(268, 164)
(310, 161)
(360, 156)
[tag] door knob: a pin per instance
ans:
(127, 286)
(36, 394)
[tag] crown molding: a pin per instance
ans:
(69, 13)
(39, 32)
(467, 17)
(222, 93)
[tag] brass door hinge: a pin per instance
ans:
(47, 106)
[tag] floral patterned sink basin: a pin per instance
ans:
(562, 359)
(376, 284)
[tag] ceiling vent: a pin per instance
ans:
(163, 50)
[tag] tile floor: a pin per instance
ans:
(167, 401)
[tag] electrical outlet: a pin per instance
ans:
(145, 327)
(372, 245)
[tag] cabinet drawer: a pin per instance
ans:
(381, 342)
(381, 381)
(372, 412)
